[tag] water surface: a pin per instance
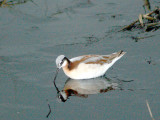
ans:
(33, 34)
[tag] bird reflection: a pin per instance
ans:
(83, 88)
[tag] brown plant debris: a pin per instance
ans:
(148, 22)
(8, 3)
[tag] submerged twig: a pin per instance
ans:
(149, 109)
(49, 109)
(139, 38)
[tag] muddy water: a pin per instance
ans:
(33, 34)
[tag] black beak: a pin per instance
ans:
(54, 82)
(58, 92)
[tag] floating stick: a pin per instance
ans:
(150, 112)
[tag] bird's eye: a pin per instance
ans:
(60, 64)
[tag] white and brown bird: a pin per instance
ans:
(87, 66)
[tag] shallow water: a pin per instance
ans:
(33, 34)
